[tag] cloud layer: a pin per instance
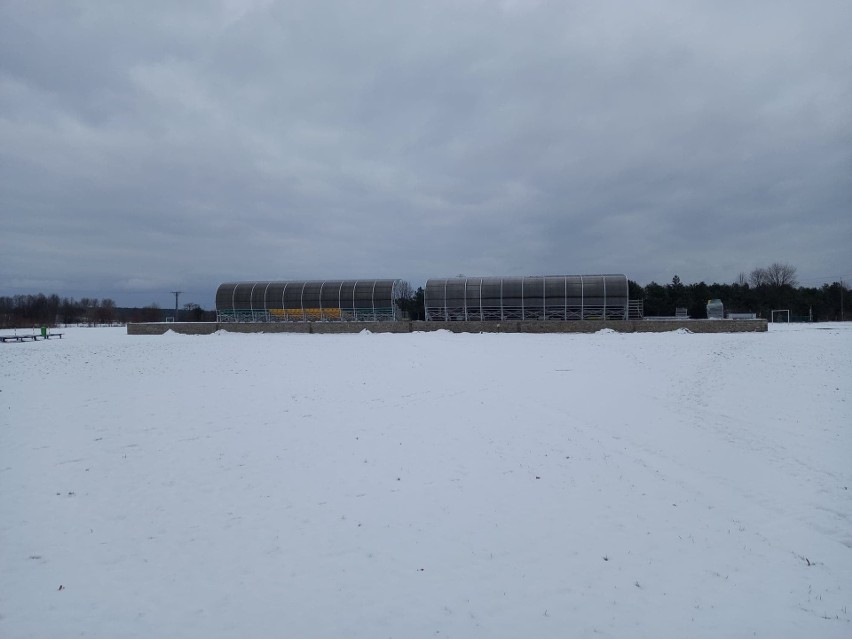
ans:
(163, 146)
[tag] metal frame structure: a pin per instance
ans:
(309, 301)
(562, 297)
(779, 310)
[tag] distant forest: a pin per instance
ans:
(823, 304)
(23, 311)
(762, 291)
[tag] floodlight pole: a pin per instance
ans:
(176, 294)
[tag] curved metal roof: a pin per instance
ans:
(528, 297)
(303, 300)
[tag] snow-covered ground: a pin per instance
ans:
(427, 485)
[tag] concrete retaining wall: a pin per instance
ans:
(585, 326)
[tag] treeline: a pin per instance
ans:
(765, 289)
(821, 304)
(23, 311)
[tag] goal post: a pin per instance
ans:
(779, 315)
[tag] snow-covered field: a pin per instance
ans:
(427, 485)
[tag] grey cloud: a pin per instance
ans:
(160, 143)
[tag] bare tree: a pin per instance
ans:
(782, 274)
(758, 277)
(776, 274)
(404, 290)
(105, 312)
(405, 298)
(90, 309)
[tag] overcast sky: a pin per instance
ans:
(154, 146)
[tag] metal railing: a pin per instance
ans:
(633, 310)
(379, 314)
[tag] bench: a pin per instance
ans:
(33, 337)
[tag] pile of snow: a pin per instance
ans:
(427, 484)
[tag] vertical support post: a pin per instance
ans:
(177, 294)
(302, 302)
(251, 301)
(283, 293)
(465, 299)
(354, 306)
(266, 302)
